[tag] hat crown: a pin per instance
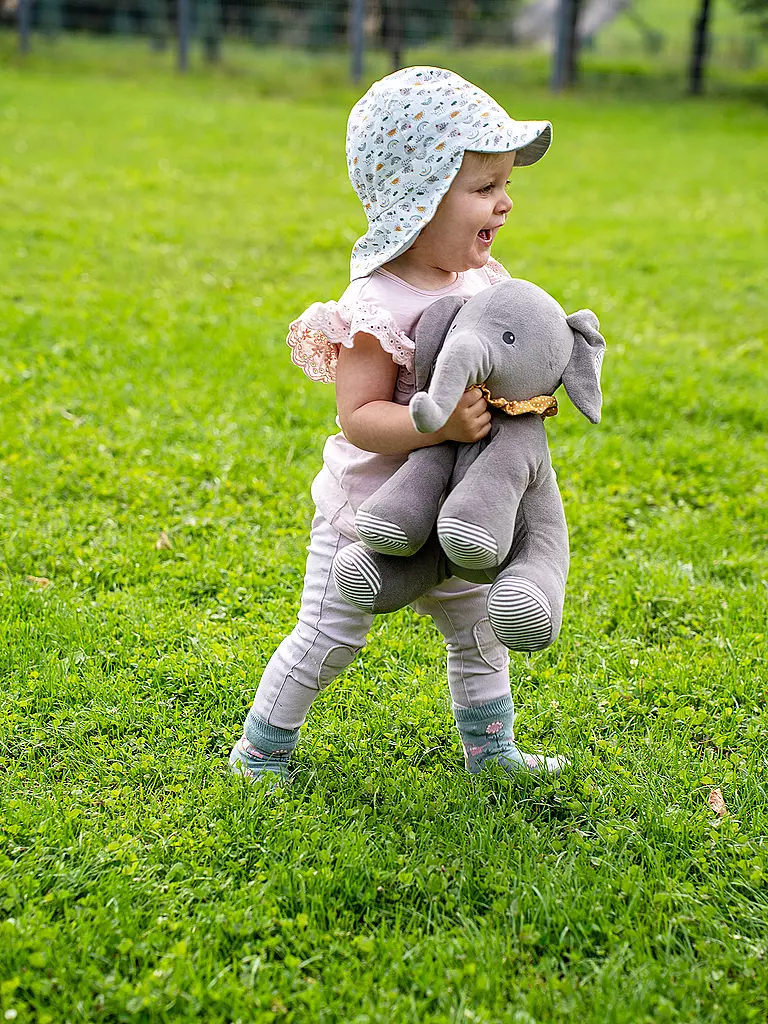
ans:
(407, 130)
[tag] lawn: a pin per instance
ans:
(157, 447)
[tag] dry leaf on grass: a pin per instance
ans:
(163, 542)
(77, 420)
(716, 802)
(39, 581)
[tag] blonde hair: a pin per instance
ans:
(485, 160)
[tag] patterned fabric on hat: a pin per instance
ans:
(406, 139)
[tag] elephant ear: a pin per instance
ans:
(581, 377)
(432, 328)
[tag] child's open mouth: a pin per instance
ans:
(485, 236)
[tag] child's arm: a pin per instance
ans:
(365, 383)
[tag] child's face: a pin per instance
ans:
(460, 235)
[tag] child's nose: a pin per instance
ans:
(504, 205)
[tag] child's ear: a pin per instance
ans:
(581, 377)
(432, 328)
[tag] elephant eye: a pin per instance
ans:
(508, 338)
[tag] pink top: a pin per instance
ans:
(386, 307)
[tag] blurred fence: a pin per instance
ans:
(305, 23)
(645, 31)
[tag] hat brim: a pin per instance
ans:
(529, 140)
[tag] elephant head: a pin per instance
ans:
(517, 340)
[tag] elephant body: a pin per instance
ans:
(488, 512)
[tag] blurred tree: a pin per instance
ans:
(757, 8)
(699, 48)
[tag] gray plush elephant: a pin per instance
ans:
(502, 521)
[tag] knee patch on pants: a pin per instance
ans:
(490, 650)
(335, 661)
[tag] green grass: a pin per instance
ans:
(157, 236)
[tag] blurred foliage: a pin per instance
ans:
(757, 9)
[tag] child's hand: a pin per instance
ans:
(470, 420)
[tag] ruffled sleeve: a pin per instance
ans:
(317, 334)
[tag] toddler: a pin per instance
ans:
(429, 156)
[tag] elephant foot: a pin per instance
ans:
(357, 577)
(387, 538)
(379, 583)
(466, 544)
(520, 614)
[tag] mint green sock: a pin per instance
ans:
(264, 751)
(488, 734)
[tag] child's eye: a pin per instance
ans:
(486, 189)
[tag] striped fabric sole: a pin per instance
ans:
(356, 576)
(520, 614)
(466, 544)
(388, 538)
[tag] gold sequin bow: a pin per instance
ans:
(544, 405)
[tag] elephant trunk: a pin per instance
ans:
(427, 416)
(463, 362)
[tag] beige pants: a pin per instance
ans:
(330, 633)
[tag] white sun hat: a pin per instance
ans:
(406, 139)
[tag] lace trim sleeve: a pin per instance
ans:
(317, 334)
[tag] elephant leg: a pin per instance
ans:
(487, 576)
(476, 521)
(525, 603)
(384, 583)
(399, 517)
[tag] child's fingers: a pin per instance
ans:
(471, 419)
(473, 399)
(477, 426)
(479, 413)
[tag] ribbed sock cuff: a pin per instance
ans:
(268, 738)
(493, 709)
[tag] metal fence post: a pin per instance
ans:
(183, 16)
(565, 43)
(357, 15)
(24, 15)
